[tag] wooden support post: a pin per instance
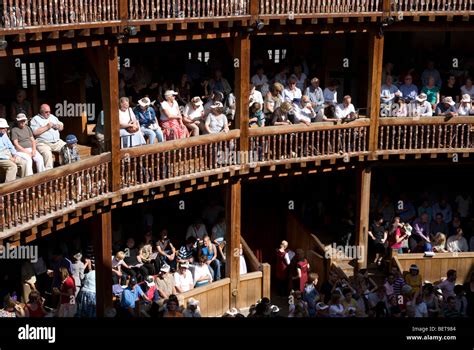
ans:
(376, 43)
(233, 202)
(266, 270)
(103, 262)
(242, 82)
(363, 207)
(108, 67)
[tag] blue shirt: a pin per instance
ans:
(6, 144)
(409, 91)
(129, 297)
(145, 118)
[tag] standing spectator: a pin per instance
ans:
(86, 299)
(468, 88)
(301, 271)
(69, 152)
(379, 235)
(67, 291)
(46, 128)
(282, 263)
(431, 72)
(25, 144)
(450, 89)
(431, 300)
(469, 289)
(77, 268)
(9, 161)
(447, 286)
(457, 243)
(260, 81)
(438, 225)
(192, 309)
(330, 93)
(34, 308)
(310, 293)
(20, 105)
(432, 92)
(396, 236)
(421, 309)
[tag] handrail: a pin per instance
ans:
(52, 174)
(425, 120)
(179, 144)
(252, 262)
(285, 129)
(301, 7)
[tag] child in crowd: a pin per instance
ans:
(69, 152)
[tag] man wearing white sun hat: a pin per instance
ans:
(9, 161)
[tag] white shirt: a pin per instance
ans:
(216, 125)
(256, 96)
(303, 115)
(199, 233)
(464, 110)
(184, 282)
(174, 109)
(424, 109)
(465, 90)
(421, 310)
(300, 81)
(457, 245)
(463, 205)
(51, 135)
(256, 80)
(193, 114)
(343, 112)
(387, 93)
(201, 271)
(290, 95)
(330, 96)
(243, 265)
(315, 96)
(125, 117)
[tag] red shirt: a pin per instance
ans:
(65, 286)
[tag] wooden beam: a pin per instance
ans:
(376, 43)
(242, 82)
(363, 207)
(103, 249)
(108, 66)
(233, 222)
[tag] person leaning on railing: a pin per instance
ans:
(465, 106)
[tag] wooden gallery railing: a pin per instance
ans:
(184, 9)
(299, 143)
(432, 5)
(178, 160)
(31, 200)
(425, 135)
(31, 13)
(320, 8)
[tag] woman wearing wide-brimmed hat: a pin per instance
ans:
(171, 120)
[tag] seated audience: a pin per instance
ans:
(10, 162)
(69, 152)
(147, 119)
(46, 128)
(25, 144)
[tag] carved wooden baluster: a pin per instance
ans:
(26, 13)
(15, 209)
(436, 134)
(7, 207)
(464, 128)
(443, 130)
(2, 214)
